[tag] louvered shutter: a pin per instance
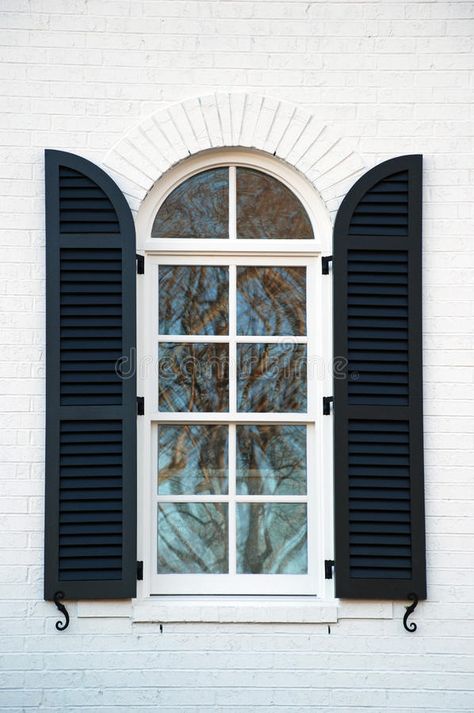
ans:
(90, 521)
(379, 507)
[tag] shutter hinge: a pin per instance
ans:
(411, 627)
(61, 625)
(140, 405)
(140, 264)
(328, 568)
(325, 260)
(140, 570)
(327, 401)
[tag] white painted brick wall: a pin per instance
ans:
(390, 77)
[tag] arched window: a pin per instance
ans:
(262, 206)
(232, 314)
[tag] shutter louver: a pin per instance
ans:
(83, 206)
(90, 500)
(90, 523)
(379, 502)
(377, 327)
(91, 325)
(384, 208)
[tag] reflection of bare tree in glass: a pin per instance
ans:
(271, 538)
(192, 538)
(271, 459)
(192, 459)
(271, 301)
(194, 377)
(254, 557)
(271, 377)
(268, 209)
(193, 299)
(198, 208)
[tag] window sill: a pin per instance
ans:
(248, 610)
(235, 610)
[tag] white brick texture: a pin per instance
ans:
(329, 86)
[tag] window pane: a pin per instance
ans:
(198, 208)
(192, 538)
(268, 209)
(193, 377)
(192, 460)
(271, 460)
(271, 538)
(271, 301)
(271, 377)
(193, 299)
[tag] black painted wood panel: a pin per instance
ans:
(378, 419)
(90, 523)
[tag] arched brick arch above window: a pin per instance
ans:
(218, 120)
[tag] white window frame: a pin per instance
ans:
(233, 251)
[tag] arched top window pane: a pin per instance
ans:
(268, 209)
(232, 202)
(198, 208)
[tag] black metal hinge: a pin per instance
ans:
(140, 570)
(327, 401)
(328, 568)
(140, 264)
(140, 405)
(325, 260)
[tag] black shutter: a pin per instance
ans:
(90, 512)
(379, 503)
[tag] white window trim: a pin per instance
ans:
(157, 249)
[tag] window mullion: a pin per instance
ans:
(232, 506)
(232, 203)
(232, 339)
(232, 409)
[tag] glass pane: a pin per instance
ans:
(268, 209)
(271, 301)
(271, 377)
(192, 538)
(193, 299)
(192, 460)
(271, 460)
(198, 208)
(193, 377)
(271, 538)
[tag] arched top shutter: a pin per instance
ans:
(90, 521)
(379, 506)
